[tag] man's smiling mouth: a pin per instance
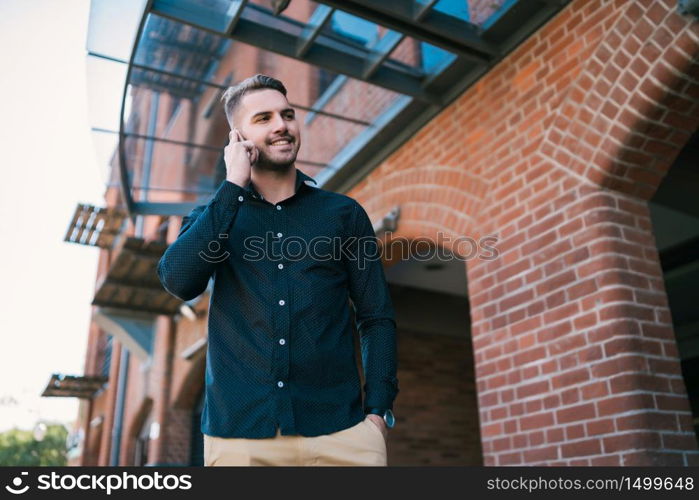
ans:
(281, 143)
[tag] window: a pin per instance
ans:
(434, 57)
(107, 355)
(456, 8)
(353, 29)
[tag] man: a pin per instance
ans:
(282, 385)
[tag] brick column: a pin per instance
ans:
(557, 151)
(577, 362)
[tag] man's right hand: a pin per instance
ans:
(239, 155)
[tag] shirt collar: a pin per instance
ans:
(300, 179)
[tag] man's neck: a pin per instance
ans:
(274, 186)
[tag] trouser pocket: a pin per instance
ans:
(367, 421)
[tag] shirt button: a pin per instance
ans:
(240, 198)
(281, 302)
(281, 266)
(280, 384)
(279, 235)
(282, 341)
(279, 207)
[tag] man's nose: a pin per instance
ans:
(279, 124)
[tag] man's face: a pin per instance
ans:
(266, 118)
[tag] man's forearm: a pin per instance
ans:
(374, 314)
(378, 345)
(188, 263)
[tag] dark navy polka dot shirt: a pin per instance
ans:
(280, 348)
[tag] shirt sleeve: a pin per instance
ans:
(374, 313)
(188, 263)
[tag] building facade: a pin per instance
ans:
(572, 153)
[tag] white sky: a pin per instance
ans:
(48, 166)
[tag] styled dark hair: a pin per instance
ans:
(232, 96)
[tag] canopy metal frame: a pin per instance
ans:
(476, 49)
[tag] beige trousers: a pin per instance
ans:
(361, 444)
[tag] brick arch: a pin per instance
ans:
(431, 197)
(576, 358)
(634, 104)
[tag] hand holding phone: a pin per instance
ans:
(239, 156)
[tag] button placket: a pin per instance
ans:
(282, 320)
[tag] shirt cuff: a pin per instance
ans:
(228, 193)
(375, 411)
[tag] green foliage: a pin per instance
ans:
(20, 448)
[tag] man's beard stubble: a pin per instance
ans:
(264, 162)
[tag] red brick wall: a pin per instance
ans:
(556, 150)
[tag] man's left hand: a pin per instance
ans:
(378, 421)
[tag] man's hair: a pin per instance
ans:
(233, 95)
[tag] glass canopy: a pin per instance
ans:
(362, 75)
